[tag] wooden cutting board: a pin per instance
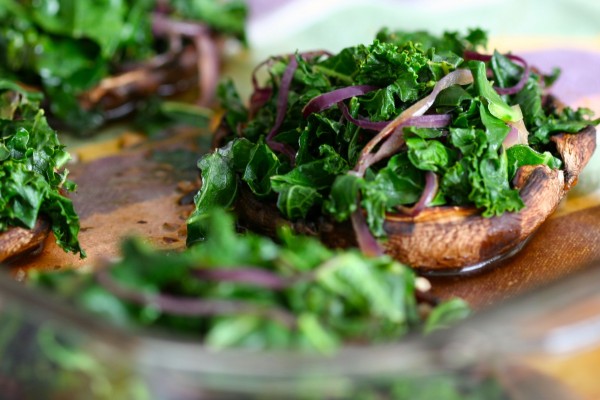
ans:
(143, 191)
(565, 243)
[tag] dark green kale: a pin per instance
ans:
(409, 119)
(68, 48)
(227, 16)
(32, 177)
(469, 384)
(49, 358)
(247, 291)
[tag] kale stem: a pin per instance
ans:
(191, 307)
(250, 275)
(366, 241)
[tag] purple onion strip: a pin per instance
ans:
(457, 77)
(326, 100)
(206, 49)
(309, 55)
(163, 25)
(306, 55)
(190, 307)
(282, 97)
(521, 84)
(365, 239)
(361, 122)
(284, 149)
(257, 68)
(248, 275)
(282, 101)
(208, 68)
(260, 95)
(396, 140)
(473, 55)
(162, 6)
(511, 138)
(429, 192)
(258, 99)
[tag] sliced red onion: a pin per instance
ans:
(522, 81)
(208, 68)
(396, 140)
(191, 307)
(518, 134)
(284, 149)
(248, 275)
(282, 101)
(473, 55)
(269, 61)
(162, 6)
(284, 89)
(326, 100)
(512, 138)
(425, 121)
(258, 99)
(260, 95)
(282, 96)
(457, 77)
(309, 55)
(163, 25)
(206, 49)
(429, 192)
(365, 239)
(361, 122)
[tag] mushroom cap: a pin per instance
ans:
(18, 241)
(451, 239)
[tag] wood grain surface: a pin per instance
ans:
(564, 244)
(140, 191)
(144, 191)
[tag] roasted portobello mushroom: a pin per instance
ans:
(101, 60)
(33, 180)
(419, 146)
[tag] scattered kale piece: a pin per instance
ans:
(294, 145)
(464, 385)
(247, 291)
(32, 177)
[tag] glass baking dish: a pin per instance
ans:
(545, 344)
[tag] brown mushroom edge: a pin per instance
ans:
(17, 242)
(451, 240)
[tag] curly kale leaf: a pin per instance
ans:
(398, 68)
(328, 297)
(31, 174)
